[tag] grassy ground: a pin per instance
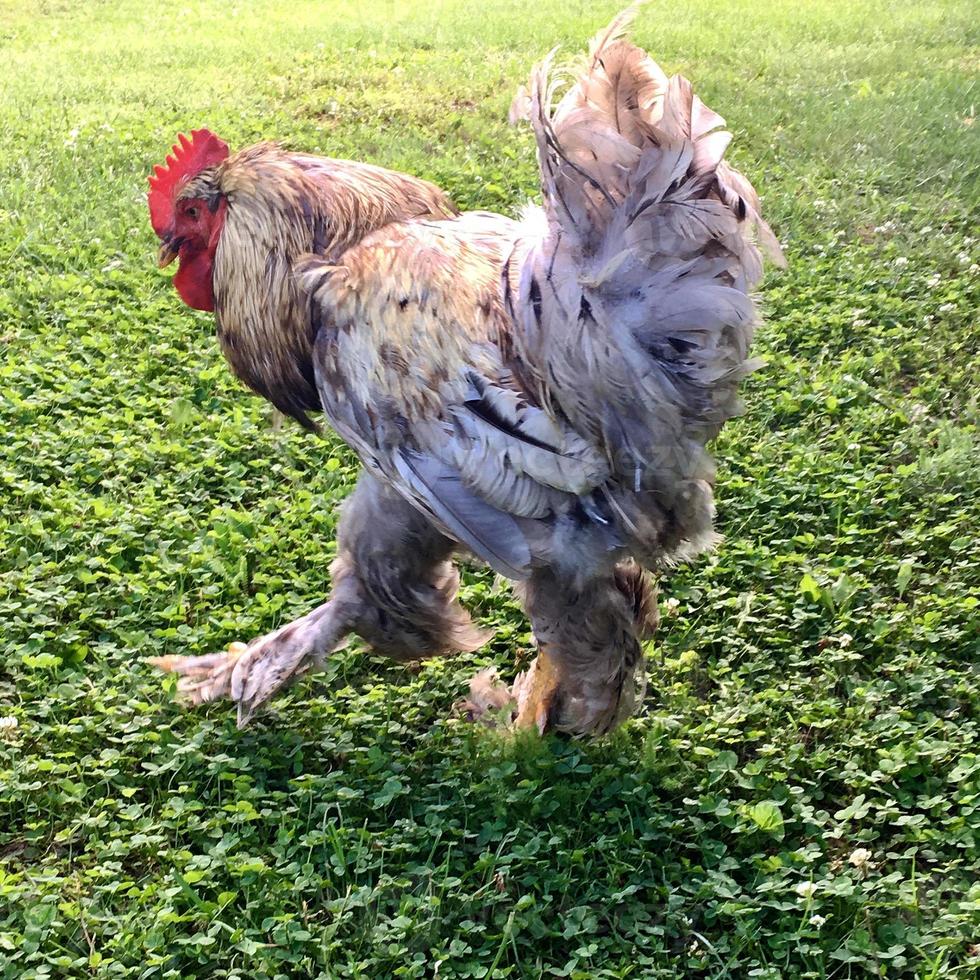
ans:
(800, 796)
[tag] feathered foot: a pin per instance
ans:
(202, 679)
(530, 703)
(555, 695)
(251, 674)
(547, 697)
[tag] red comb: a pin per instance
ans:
(188, 158)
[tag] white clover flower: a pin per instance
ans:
(8, 727)
(974, 269)
(927, 230)
(860, 858)
(806, 889)
(901, 260)
(853, 447)
(845, 640)
(947, 308)
(934, 280)
(673, 605)
(963, 258)
(817, 920)
(859, 322)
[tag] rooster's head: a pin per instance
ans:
(187, 211)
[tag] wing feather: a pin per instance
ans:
(411, 368)
(488, 532)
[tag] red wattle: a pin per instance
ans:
(193, 281)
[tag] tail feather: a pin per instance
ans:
(614, 31)
(621, 90)
(634, 314)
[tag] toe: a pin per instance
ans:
(267, 667)
(490, 702)
(202, 679)
(188, 666)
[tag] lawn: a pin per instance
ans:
(800, 795)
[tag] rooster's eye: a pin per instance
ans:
(191, 212)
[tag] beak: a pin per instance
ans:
(168, 252)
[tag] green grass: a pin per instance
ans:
(814, 693)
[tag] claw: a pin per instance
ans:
(251, 674)
(490, 701)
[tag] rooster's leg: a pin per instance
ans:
(252, 674)
(585, 678)
(394, 586)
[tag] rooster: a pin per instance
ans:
(539, 392)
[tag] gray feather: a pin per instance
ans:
(490, 533)
(634, 310)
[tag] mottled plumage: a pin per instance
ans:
(537, 392)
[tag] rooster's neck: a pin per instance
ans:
(263, 320)
(282, 206)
